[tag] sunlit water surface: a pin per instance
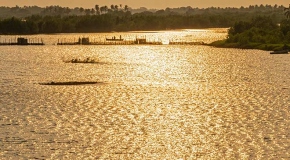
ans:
(152, 102)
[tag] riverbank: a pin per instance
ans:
(260, 46)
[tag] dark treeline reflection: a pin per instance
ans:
(56, 19)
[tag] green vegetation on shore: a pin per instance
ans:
(259, 33)
(56, 19)
(260, 46)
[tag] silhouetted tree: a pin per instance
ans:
(82, 10)
(97, 9)
(112, 7)
(102, 9)
(106, 8)
(67, 10)
(93, 11)
(116, 7)
(287, 12)
(126, 8)
(87, 11)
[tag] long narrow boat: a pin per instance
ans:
(280, 52)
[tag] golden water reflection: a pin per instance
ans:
(156, 102)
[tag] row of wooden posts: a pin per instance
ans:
(86, 41)
(22, 41)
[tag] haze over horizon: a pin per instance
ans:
(150, 4)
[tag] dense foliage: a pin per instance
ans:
(259, 30)
(56, 19)
(259, 33)
(117, 21)
(26, 11)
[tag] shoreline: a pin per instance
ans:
(259, 46)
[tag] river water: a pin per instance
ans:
(150, 102)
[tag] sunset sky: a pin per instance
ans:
(150, 4)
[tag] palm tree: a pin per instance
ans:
(126, 8)
(287, 12)
(93, 11)
(87, 11)
(116, 7)
(97, 9)
(67, 10)
(106, 9)
(112, 7)
(102, 9)
(82, 10)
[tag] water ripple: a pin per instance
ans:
(157, 102)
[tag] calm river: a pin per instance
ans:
(150, 102)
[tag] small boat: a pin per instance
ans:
(280, 52)
(78, 60)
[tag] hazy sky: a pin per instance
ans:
(150, 4)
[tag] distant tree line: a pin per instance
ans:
(56, 19)
(26, 11)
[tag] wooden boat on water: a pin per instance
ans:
(280, 52)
